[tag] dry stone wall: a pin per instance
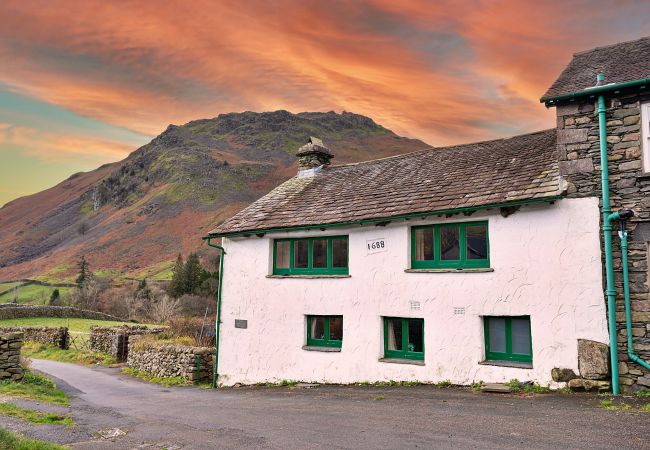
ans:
(579, 154)
(12, 311)
(115, 340)
(10, 344)
(57, 336)
(173, 361)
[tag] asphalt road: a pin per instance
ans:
(361, 417)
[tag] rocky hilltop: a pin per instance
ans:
(131, 218)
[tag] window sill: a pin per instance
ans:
(477, 270)
(316, 348)
(515, 364)
(308, 276)
(414, 362)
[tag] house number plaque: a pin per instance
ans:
(376, 245)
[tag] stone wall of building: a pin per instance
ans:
(172, 360)
(57, 336)
(10, 344)
(115, 340)
(579, 153)
(11, 311)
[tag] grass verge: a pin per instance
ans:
(12, 441)
(73, 324)
(42, 351)
(165, 381)
(34, 387)
(41, 417)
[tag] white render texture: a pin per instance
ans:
(546, 261)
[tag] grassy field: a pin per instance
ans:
(12, 441)
(74, 325)
(32, 293)
(34, 387)
(5, 286)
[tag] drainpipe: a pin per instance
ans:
(218, 324)
(622, 234)
(610, 292)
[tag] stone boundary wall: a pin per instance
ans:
(17, 312)
(173, 361)
(57, 336)
(115, 340)
(10, 344)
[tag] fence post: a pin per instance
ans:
(198, 369)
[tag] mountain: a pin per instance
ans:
(131, 218)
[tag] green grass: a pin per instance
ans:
(165, 381)
(12, 441)
(5, 286)
(56, 274)
(41, 417)
(609, 405)
(36, 350)
(73, 324)
(158, 272)
(643, 393)
(517, 387)
(645, 407)
(34, 294)
(378, 397)
(34, 387)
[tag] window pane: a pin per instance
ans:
(521, 336)
(497, 330)
(282, 254)
(319, 253)
(415, 335)
(339, 252)
(336, 328)
(318, 327)
(424, 244)
(449, 245)
(301, 253)
(394, 338)
(476, 242)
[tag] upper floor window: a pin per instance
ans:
(645, 132)
(453, 246)
(311, 256)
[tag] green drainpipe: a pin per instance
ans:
(626, 291)
(610, 292)
(218, 324)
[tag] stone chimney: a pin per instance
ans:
(313, 155)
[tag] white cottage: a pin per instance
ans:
(462, 263)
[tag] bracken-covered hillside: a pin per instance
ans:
(131, 218)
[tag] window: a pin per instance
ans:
(403, 338)
(450, 246)
(311, 256)
(325, 331)
(645, 131)
(508, 339)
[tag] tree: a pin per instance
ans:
(177, 283)
(164, 308)
(83, 272)
(193, 274)
(143, 289)
(55, 296)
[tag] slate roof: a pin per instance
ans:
(485, 173)
(626, 61)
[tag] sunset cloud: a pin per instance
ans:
(445, 71)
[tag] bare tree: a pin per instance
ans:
(87, 296)
(164, 308)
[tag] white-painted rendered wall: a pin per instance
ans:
(546, 261)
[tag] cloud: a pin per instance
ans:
(444, 71)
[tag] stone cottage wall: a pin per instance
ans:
(172, 361)
(115, 340)
(579, 155)
(57, 336)
(10, 344)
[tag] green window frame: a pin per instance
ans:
(328, 269)
(509, 354)
(326, 339)
(463, 262)
(405, 352)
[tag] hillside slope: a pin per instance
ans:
(132, 217)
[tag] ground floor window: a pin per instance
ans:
(508, 338)
(403, 338)
(325, 331)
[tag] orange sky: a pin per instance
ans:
(84, 82)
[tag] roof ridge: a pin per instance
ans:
(403, 155)
(601, 47)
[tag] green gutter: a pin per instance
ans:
(597, 90)
(218, 324)
(610, 292)
(388, 218)
(626, 291)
